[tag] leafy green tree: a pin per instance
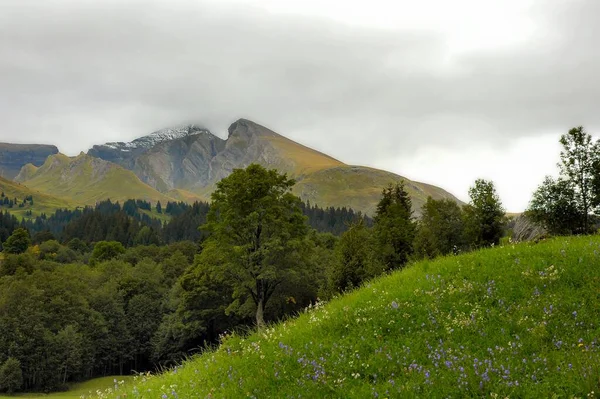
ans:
(257, 235)
(42, 236)
(68, 344)
(146, 236)
(158, 207)
(554, 206)
(106, 250)
(394, 228)
(173, 267)
(484, 215)
(49, 249)
(11, 376)
(12, 263)
(579, 162)
(18, 242)
(78, 245)
(353, 263)
(440, 230)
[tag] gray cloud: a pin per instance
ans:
(76, 73)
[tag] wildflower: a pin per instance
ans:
(395, 305)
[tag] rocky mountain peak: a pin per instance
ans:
(247, 128)
(158, 137)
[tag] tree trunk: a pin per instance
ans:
(260, 310)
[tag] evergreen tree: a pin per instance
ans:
(484, 215)
(440, 229)
(394, 227)
(353, 263)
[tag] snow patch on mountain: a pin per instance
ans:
(158, 137)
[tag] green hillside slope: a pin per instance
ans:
(42, 203)
(85, 179)
(518, 321)
(359, 188)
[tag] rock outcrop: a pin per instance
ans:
(14, 156)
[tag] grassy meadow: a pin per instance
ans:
(85, 389)
(518, 321)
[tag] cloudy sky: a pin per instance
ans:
(438, 91)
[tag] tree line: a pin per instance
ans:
(570, 203)
(128, 224)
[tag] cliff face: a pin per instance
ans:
(14, 156)
(167, 159)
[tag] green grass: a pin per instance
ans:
(85, 389)
(42, 202)
(359, 188)
(517, 321)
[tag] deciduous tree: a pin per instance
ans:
(257, 235)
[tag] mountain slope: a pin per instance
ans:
(86, 180)
(14, 156)
(519, 321)
(42, 202)
(194, 160)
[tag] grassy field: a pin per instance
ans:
(42, 203)
(85, 389)
(359, 188)
(517, 321)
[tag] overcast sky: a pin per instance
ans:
(435, 90)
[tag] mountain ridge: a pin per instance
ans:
(195, 164)
(185, 163)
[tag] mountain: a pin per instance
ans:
(14, 156)
(192, 159)
(85, 179)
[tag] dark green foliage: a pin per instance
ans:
(106, 250)
(77, 245)
(554, 206)
(578, 162)
(332, 220)
(42, 236)
(18, 242)
(12, 263)
(440, 229)
(257, 236)
(394, 227)
(565, 205)
(484, 215)
(353, 263)
(11, 376)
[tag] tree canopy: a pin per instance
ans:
(257, 233)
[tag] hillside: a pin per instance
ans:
(42, 203)
(518, 321)
(193, 160)
(14, 156)
(85, 180)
